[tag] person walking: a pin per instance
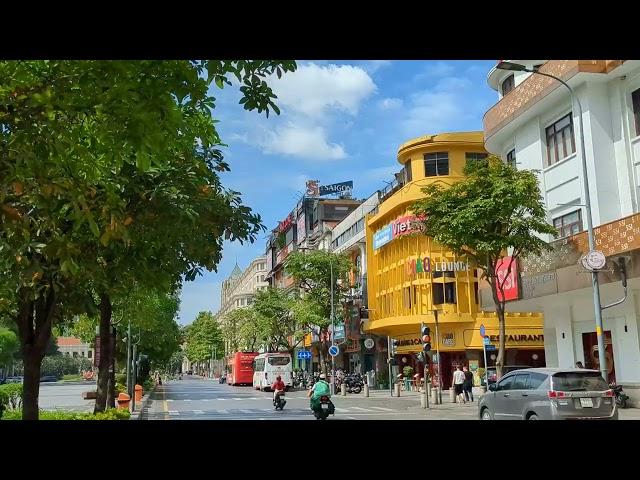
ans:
(467, 386)
(458, 382)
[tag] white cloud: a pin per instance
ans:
(390, 103)
(312, 89)
(434, 70)
(305, 142)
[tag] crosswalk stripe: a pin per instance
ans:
(361, 409)
(343, 410)
(169, 399)
(238, 399)
(384, 409)
(174, 412)
(187, 399)
(246, 411)
(224, 412)
(198, 412)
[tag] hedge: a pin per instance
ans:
(111, 414)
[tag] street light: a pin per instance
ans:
(515, 67)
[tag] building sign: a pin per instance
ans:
(507, 274)
(284, 225)
(406, 225)
(313, 190)
(517, 336)
(521, 338)
(539, 285)
(422, 265)
(282, 254)
(343, 187)
(301, 228)
(382, 237)
(448, 339)
(338, 332)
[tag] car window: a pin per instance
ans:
(536, 379)
(521, 381)
(506, 383)
(579, 382)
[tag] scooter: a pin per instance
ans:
(324, 408)
(279, 402)
(621, 398)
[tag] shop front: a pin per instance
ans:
(462, 344)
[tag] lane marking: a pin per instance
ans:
(245, 411)
(223, 412)
(384, 409)
(199, 412)
(360, 408)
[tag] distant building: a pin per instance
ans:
(74, 347)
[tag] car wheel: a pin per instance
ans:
(486, 415)
(533, 416)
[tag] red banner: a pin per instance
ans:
(509, 282)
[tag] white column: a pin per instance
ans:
(561, 316)
(626, 345)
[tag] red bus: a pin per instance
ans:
(240, 368)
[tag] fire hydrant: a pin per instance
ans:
(139, 393)
(123, 401)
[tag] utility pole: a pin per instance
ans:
(435, 313)
(333, 331)
(129, 386)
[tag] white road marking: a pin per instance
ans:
(245, 411)
(169, 399)
(198, 412)
(174, 412)
(224, 412)
(384, 409)
(343, 410)
(187, 399)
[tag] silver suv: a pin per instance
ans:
(549, 394)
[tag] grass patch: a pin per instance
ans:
(111, 414)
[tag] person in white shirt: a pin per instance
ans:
(458, 382)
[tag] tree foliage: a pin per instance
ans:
(496, 211)
(109, 175)
(9, 345)
(204, 339)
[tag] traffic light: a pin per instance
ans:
(426, 338)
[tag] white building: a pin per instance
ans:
(535, 126)
(239, 289)
(74, 347)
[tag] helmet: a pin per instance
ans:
(278, 378)
(322, 376)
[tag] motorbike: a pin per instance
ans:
(222, 379)
(279, 401)
(621, 397)
(324, 408)
(353, 383)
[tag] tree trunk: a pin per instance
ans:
(31, 388)
(323, 364)
(502, 353)
(34, 321)
(105, 353)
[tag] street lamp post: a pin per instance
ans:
(333, 333)
(587, 198)
(435, 314)
(129, 359)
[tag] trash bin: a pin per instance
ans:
(139, 393)
(123, 401)
(452, 395)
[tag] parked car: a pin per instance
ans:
(549, 394)
(48, 378)
(492, 373)
(13, 380)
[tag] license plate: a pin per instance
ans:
(586, 402)
(326, 406)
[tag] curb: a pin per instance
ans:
(137, 415)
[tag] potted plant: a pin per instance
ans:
(382, 378)
(480, 372)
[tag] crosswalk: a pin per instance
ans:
(261, 412)
(226, 399)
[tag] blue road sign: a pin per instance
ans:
(334, 350)
(483, 332)
(487, 341)
(489, 348)
(304, 354)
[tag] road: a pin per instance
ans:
(66, 396)
(194, 398)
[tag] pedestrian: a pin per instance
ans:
(458, 382)
(579, 365)
(467, 386)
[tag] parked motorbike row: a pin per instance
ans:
(621, 397)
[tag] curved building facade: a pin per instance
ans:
(410, 276)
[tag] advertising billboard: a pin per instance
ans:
(382, 236)
(509, 283)
(302, 228)
(342, 187)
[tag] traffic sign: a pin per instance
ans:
(489, 348)
(487, 341)
(304, 354)
(483, 331)
(334, 350)
(369, 343)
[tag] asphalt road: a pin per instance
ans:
(66, 396)
(194, 398)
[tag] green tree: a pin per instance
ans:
(9, 345)
(313, 272)
(76, 139)
(84, 328)
(496, 209)
(204, 339)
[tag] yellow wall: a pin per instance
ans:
(399, 301)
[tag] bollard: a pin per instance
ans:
(434, 396)
(139, 393)
(123, 401)
(397, 389)
(343, 389)
(366, 390)
(423, 400)
(452, 395)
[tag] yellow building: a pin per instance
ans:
(410, 276)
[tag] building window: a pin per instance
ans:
(569, 224)
(474, 157)
(511, 158)
(90, 354)
(560, 140)
(75, 354)
(407, 171)
(508, 84)
(635, 100)
(436, 164)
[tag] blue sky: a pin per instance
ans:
(340, 120)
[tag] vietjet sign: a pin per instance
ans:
(400, 226)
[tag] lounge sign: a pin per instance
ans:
(423, 265)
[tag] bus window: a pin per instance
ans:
(279, 361)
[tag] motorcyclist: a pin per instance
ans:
(278, 387)
(320, 388)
